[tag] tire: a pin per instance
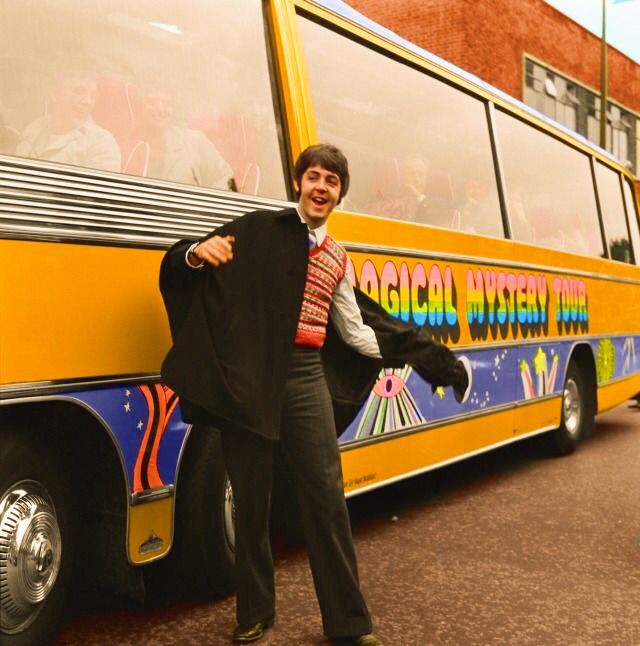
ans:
(201, 563)
(578, 413)
(34, 494)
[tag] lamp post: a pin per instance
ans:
(603, 78)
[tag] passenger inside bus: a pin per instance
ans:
(521, 228)
(414, 192)
(174, 152)
(477, 212)
(9, 137)
(66, 132)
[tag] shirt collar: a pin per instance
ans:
(320, 232)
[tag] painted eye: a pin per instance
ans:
(388, 386)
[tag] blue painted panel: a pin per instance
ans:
(126, 411)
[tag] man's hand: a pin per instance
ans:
(215, 250)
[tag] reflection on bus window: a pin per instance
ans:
(425, 160)
(168, 151)
(154, 89)
(613, 216)
(66, 132)
(632, 216)
(541, 174)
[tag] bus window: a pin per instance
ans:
(419, 149)
(632, 215)
(613, 216)
(549, 189)
(174, 91)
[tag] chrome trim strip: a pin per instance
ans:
(445, 421)
(152, 494)
(38, 234)
(29, 391)
(444, 463)
(479, 260)
(47, 201)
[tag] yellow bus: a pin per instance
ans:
(125, 126)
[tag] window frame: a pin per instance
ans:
(487, 103)
(635, 253)
(591, 159)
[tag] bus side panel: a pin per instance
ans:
(617, 369)
(71, 311)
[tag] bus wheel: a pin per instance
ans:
(577, 413)
(201, 563)
(33, 531)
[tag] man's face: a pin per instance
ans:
(73, 98)
(159, 108)
(319, 193)
(415, 173)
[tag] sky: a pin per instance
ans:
(623, 21)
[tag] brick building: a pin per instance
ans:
(533, 52)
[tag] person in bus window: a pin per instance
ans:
(480, 210)
(176, 153)
(9, 137)
(424, 195)
(265, 325)
(66, 133)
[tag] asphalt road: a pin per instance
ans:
(507, 548)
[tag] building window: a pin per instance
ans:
(578, 108)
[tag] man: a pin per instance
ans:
(67, 133)
(176, 153)
(250, 307)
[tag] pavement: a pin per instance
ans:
(507, 548)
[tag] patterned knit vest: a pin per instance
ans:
(327, 266)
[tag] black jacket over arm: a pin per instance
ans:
(233, 329)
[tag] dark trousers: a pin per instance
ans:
(309, 451)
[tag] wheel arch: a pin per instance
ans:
(99, 500)
(582, 355)
(74, 431)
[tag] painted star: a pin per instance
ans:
(140, 425)
(440, 392)
(496, 361)
(540, 362)
(127, 393)
(127, 407)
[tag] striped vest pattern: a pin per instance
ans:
(327, 266)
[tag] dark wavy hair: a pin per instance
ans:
(328, 157)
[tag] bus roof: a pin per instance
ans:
(344, 10)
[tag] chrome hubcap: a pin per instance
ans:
(30, 553)
(572, 410)
(229, 516)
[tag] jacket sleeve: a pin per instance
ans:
(403, 343)
(351, 376)
(178, 280)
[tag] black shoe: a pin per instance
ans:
(462, 386)
(367, 640)
(242, 635)
(361, 640)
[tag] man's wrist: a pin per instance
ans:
(192, 259)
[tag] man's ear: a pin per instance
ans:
(296, 187)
